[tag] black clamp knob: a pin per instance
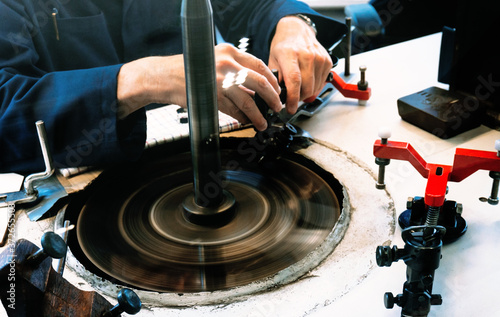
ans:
(386, 255)
(52, 246)
(390, 300)
(422, 301)
(128, 302)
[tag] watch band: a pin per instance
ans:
(308, 21)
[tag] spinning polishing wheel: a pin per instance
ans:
(177, 222)
(132, 227)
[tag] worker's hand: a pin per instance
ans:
(303, 63)
(239, 76)
(162, 80)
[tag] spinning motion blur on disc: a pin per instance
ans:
(132, 227)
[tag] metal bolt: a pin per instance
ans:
(362, 69)
(381, 162)
(493, 199)
(128, 302)
(409, 203)
(427, 280)
(362, 84)
(52, 246)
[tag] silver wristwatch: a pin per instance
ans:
(308, 21)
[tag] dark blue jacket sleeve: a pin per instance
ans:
(78, 106)
(257, 20)
(70, 81)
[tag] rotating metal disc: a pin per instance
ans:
(131, 224)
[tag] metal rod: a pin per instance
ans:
(362, 84)
(494, 189)
(381, 177)
(493, 199)
(47, 158)
(62, 261)
(382, 163)
(347, 64)
(432, 216)
(201, 89)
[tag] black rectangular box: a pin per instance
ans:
(441, 112)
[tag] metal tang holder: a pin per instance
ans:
(29, 193)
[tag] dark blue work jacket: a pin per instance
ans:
(59, 61)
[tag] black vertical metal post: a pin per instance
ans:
(347, 59)
(201, 89)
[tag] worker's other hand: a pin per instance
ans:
(303, 63)
(162, 80)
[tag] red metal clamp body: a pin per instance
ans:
(347, 90)
(466, 163)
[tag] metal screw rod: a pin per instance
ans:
(362, 84)
(493, 199)
(432, 216)
(381, 162)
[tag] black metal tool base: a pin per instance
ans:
(421, 254)
(449, 217)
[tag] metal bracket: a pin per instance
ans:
(29, 193)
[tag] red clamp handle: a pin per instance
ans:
(346, 89)
(466, 163)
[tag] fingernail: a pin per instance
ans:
(263, 127)
(278, 107)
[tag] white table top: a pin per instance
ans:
(332, 3)
(469, 271)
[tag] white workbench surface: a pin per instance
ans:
(328, 4)
(469, 272)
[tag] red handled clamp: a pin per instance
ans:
(359, 91)
(466, 162)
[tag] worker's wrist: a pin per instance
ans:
(305, 20)
(132, 90)
(154, 79)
